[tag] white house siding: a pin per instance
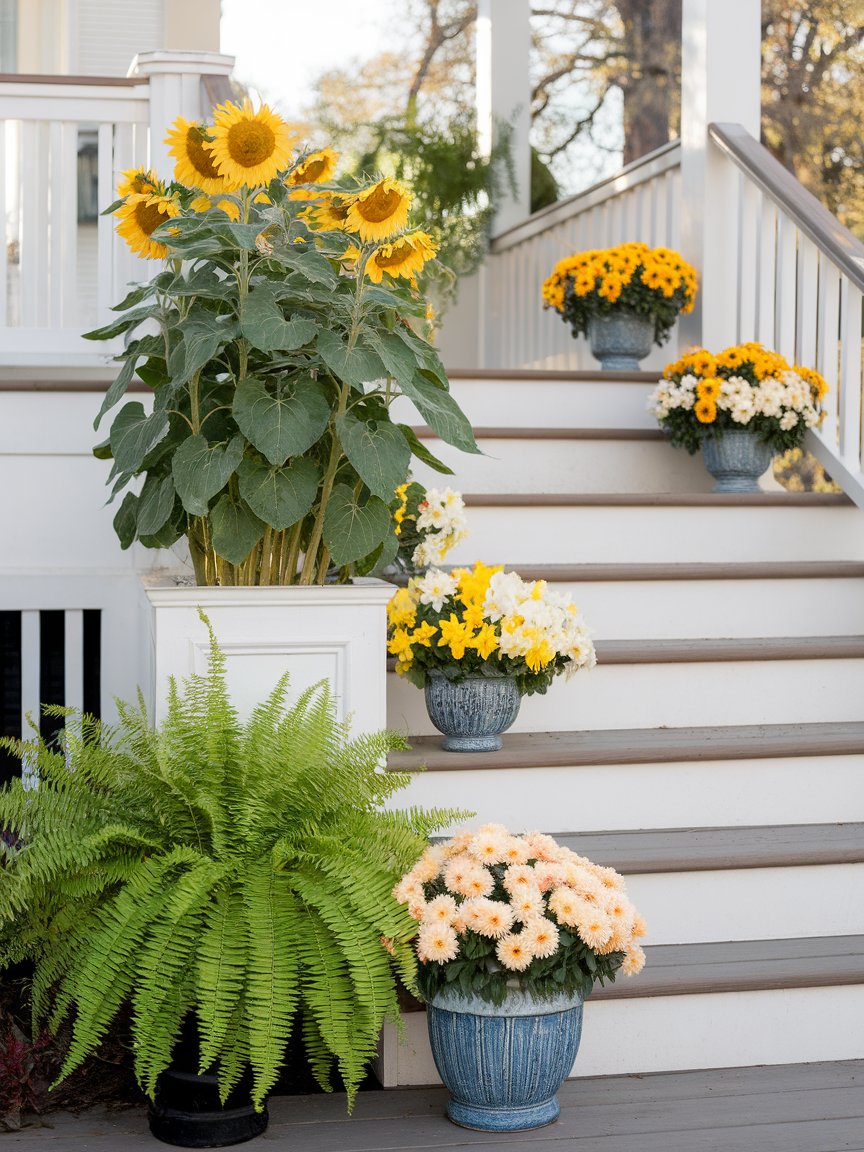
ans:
(111, 34)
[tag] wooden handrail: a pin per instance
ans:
(97, 81)
(811, 216)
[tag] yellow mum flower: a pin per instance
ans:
(249, 148)
(401, 609)
(403, 257)
(486, 641)
(708, 389)
(400, 644)
(380, 211)
(423, 635)
(139, 217)
(195, 164)
(456, 634)
(138, 182)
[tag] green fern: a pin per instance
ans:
(238, 871)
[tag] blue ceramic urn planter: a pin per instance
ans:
(471, 713)
(503, 1064)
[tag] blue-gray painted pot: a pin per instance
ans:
(503, 1065)
(619, 340)
(472, 713)
(736, 460)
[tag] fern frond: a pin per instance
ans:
(317, 1052)
(221, 972)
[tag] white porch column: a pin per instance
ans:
(720, 81)
(176, 90)
(504, 95)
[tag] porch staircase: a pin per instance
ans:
(715, 756)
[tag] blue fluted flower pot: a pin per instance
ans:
(620, 339)
(736, 460)
(503, 1064)
(472, 713)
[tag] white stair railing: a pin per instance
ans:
(61, 265)
(799, 278)
(640, 203)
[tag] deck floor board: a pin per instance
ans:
(789, 1108)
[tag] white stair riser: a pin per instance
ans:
(750, 903)
(697, 794)
(670, 695)
(567, 466)
(695, 609)
(667, 1033)
(594, 534)
(546, 404)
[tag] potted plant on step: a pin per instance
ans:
(429, 522)
(477, 640)
(624, 299)
(513, 933)
(232, 881)
(741, 407)
(282, 325)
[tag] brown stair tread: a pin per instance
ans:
(656, 499)
(743, 966)
(711, 650)
(746, 570)
(565, 376)
(711, 849)
(640, 746)
(528, 433)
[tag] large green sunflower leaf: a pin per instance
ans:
(283, 421)
(355, 366)
(377, 450)
(265, 327)
(155, 504)
(236, 529)
(201, 469)
(134, 433)
(280, 496)
(354, 527)
(440, 411)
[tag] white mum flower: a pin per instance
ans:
(435, 587)
(788, 420)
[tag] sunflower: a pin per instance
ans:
(138, 181)
(205, 203)
(140, 216)
(329, 213)
(404, 257)
(380, 211)
(706, 411)
(195, 165)
(249, 148)
(315, 169)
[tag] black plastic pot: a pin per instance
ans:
(187, 1112)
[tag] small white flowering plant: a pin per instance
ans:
(483, 621)
(493, 908)
(429, 522)
(701, 396)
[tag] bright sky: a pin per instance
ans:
(282, 46)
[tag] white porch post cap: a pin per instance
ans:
(171, 62)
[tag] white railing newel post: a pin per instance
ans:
(720, 81)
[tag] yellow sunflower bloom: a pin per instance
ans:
(249, 148)
(195, 164)
(204, 204)
(140, 182)
(404, 257)
(315, 169)
(380, 211)
(329, 213)
(139, 217)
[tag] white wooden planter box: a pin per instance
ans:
(337, 632)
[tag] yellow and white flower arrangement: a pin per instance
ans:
(656, 283)
(429, 523)
(702, 395)
(484, 621)
(492, 906)
(285, 323)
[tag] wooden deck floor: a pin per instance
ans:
(793, 1108)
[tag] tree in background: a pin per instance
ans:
(813, 99)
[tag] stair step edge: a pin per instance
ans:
(640, 746)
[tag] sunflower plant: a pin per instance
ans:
(701, 396)
(485, 622)
(655, 283)
(493, 908)
(284, 324)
